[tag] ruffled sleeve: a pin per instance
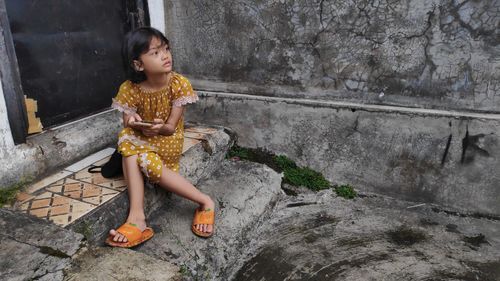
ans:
(182, 92)
(127, 98)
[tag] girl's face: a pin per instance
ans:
(156, 60)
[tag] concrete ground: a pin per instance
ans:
(264, 234)
(325, 237)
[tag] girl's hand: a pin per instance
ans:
(131, 119)
(155, 129)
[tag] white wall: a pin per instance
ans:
(157, 14)
(6, 140)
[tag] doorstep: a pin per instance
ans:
(73, 192)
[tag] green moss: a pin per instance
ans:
(8, 194)
(346, 191)
(284, 162)
(293, 175)
(258, 155)
(306, 177)
(184, 270)
(241, 152)
(85, 228)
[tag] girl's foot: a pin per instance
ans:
(207, 205)
(139, 223)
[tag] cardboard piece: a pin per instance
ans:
(35, 125)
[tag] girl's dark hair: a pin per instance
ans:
(136, 43)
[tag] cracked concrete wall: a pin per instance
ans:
(418, 155)
(432, 54)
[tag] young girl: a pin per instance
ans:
(152, 102)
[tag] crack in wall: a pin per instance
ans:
(409, 49)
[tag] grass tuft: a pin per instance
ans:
(284, 162)
(8, 194)
(306, 177)
(346, 191)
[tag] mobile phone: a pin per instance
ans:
(144, 123)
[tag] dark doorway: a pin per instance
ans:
(69, 52)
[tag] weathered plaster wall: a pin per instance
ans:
(430, 156)
(295, 77)
(432, 54)
(57, 147)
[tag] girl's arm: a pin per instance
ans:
(175, 115)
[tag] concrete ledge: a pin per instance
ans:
(198, 162)
(443, 157)
(355, 106)
(55, 148)
(32, 248)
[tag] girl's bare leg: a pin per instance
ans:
(175, 183)
(135, 183)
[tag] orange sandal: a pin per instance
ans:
(133, 235)
(203, 217)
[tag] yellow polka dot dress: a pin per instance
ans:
(154, 152)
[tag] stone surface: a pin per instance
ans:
(102, 264)
(244, 193)
(32, 248)
(433, 54)
(39, 233)
(263, 234)
(324, 237)
(432, 156)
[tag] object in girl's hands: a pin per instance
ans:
(146, 124)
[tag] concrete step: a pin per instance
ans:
(90, 204)
(55, 229)
(201, 159)
(244, 193)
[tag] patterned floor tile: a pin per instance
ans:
(23, 196)
(59, 209)
(117, 183)
(46, 181)
(83, 191)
